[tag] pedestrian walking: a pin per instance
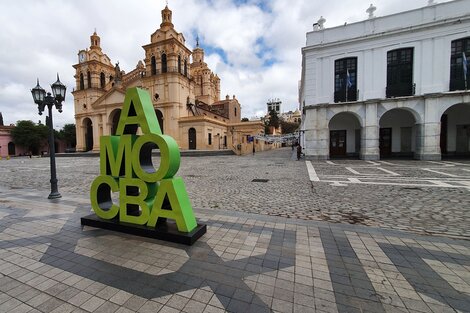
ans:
(299, 151)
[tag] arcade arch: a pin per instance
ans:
(345, 135)
(114, 120)
(88, 126)
(455, 131)
(397, 135)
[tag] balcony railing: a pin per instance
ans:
(172, 69)
(400, 90)
(340, 96)
(458, 84)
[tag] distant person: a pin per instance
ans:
(299, 151)
(292, 146)
(253, 149)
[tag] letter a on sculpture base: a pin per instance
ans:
(152, 201)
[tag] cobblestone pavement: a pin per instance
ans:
(244, 263)
(424, 197)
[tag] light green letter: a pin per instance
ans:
(100, 196)
(181, 210)
(142, 157)
(115, 151)
(133, 199)
(138, 111)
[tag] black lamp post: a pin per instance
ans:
(43, 100)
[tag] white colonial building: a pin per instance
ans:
(388, 86)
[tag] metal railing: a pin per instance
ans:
(400, 90)
(171, 69)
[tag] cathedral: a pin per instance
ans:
(184, 90)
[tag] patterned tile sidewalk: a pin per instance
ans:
(245, 263)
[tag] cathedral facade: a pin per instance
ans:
(184, 90)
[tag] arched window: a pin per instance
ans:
(87, 123)
(160, 119)
(185, 68)
(82, 82)
(164, 65)
(235, 111)
(346, 80)
(179, 64)
(114, 118)
(153, 65)
(457, 49)
(88, 79)
(400, 73)
(102, 80)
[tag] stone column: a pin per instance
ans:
(316, 133)
(96, 134)
(428, 134)
(80, 147)
(428, 141)
(370, 132)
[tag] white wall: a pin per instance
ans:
(431, 41)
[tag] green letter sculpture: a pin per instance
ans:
(147, 196)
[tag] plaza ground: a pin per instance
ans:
(283, 236)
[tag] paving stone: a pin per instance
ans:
(177, 302)
(263, 251)
(49, 305)
(150, 307)
(64, 308)
(80, 298)
(120, 297)
(202, 296)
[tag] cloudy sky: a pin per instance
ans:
(253, 45)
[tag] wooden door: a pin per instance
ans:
(385, 142)
(444, 123)
(337, 143)
(192, 139)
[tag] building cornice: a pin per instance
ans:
(387, 100)
(389, 33)
(201, 118)
(165, 42)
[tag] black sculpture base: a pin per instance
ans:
(164, 231)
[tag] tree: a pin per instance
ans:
(288, 128)
(273, 119)
(29, 135)
(67, 133)
(245, 119)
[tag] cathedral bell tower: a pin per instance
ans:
(95, 41)
(166, 18)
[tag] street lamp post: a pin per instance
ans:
(43, 100)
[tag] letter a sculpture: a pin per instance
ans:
(152, 202)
